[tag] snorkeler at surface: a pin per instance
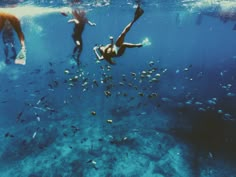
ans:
(80, 20)
(8, 22)
(116, 50)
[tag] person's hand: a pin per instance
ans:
(95, 48)
(73, 20)
(76, 21)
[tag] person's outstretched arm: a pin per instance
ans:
(73, 21)
(112, 42)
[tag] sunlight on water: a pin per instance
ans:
(210, 4)
(33, 11)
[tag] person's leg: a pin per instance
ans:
(121, 38)
(6, 51)
(131, 45)
(7, 60)
(138, 13)
(13, 49)
(77, 49)
(127, 45)
(17, 26)
(80, 48)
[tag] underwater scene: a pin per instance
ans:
(118, 88)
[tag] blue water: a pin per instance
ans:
(175, 117)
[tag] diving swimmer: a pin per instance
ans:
(8, 22)
(116, 50)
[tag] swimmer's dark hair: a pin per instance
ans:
(78, 13)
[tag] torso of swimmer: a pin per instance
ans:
(108, 51)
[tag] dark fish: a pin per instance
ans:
(9, 135)
(30, 83)
(89, 161)
(131, 98)
(93, 113)
(19, 116)
(85, 80)
(24, 142)
(51, 109)
(41, 99)
(29, 104)
(53, 84)
(50, 85)
(95, 82)
(107, 93)
(51, 71)
(141, 114)
(75, 129)
(140, 94)
(22, 120)
(36, 71)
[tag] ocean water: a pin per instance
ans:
(165, 109)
